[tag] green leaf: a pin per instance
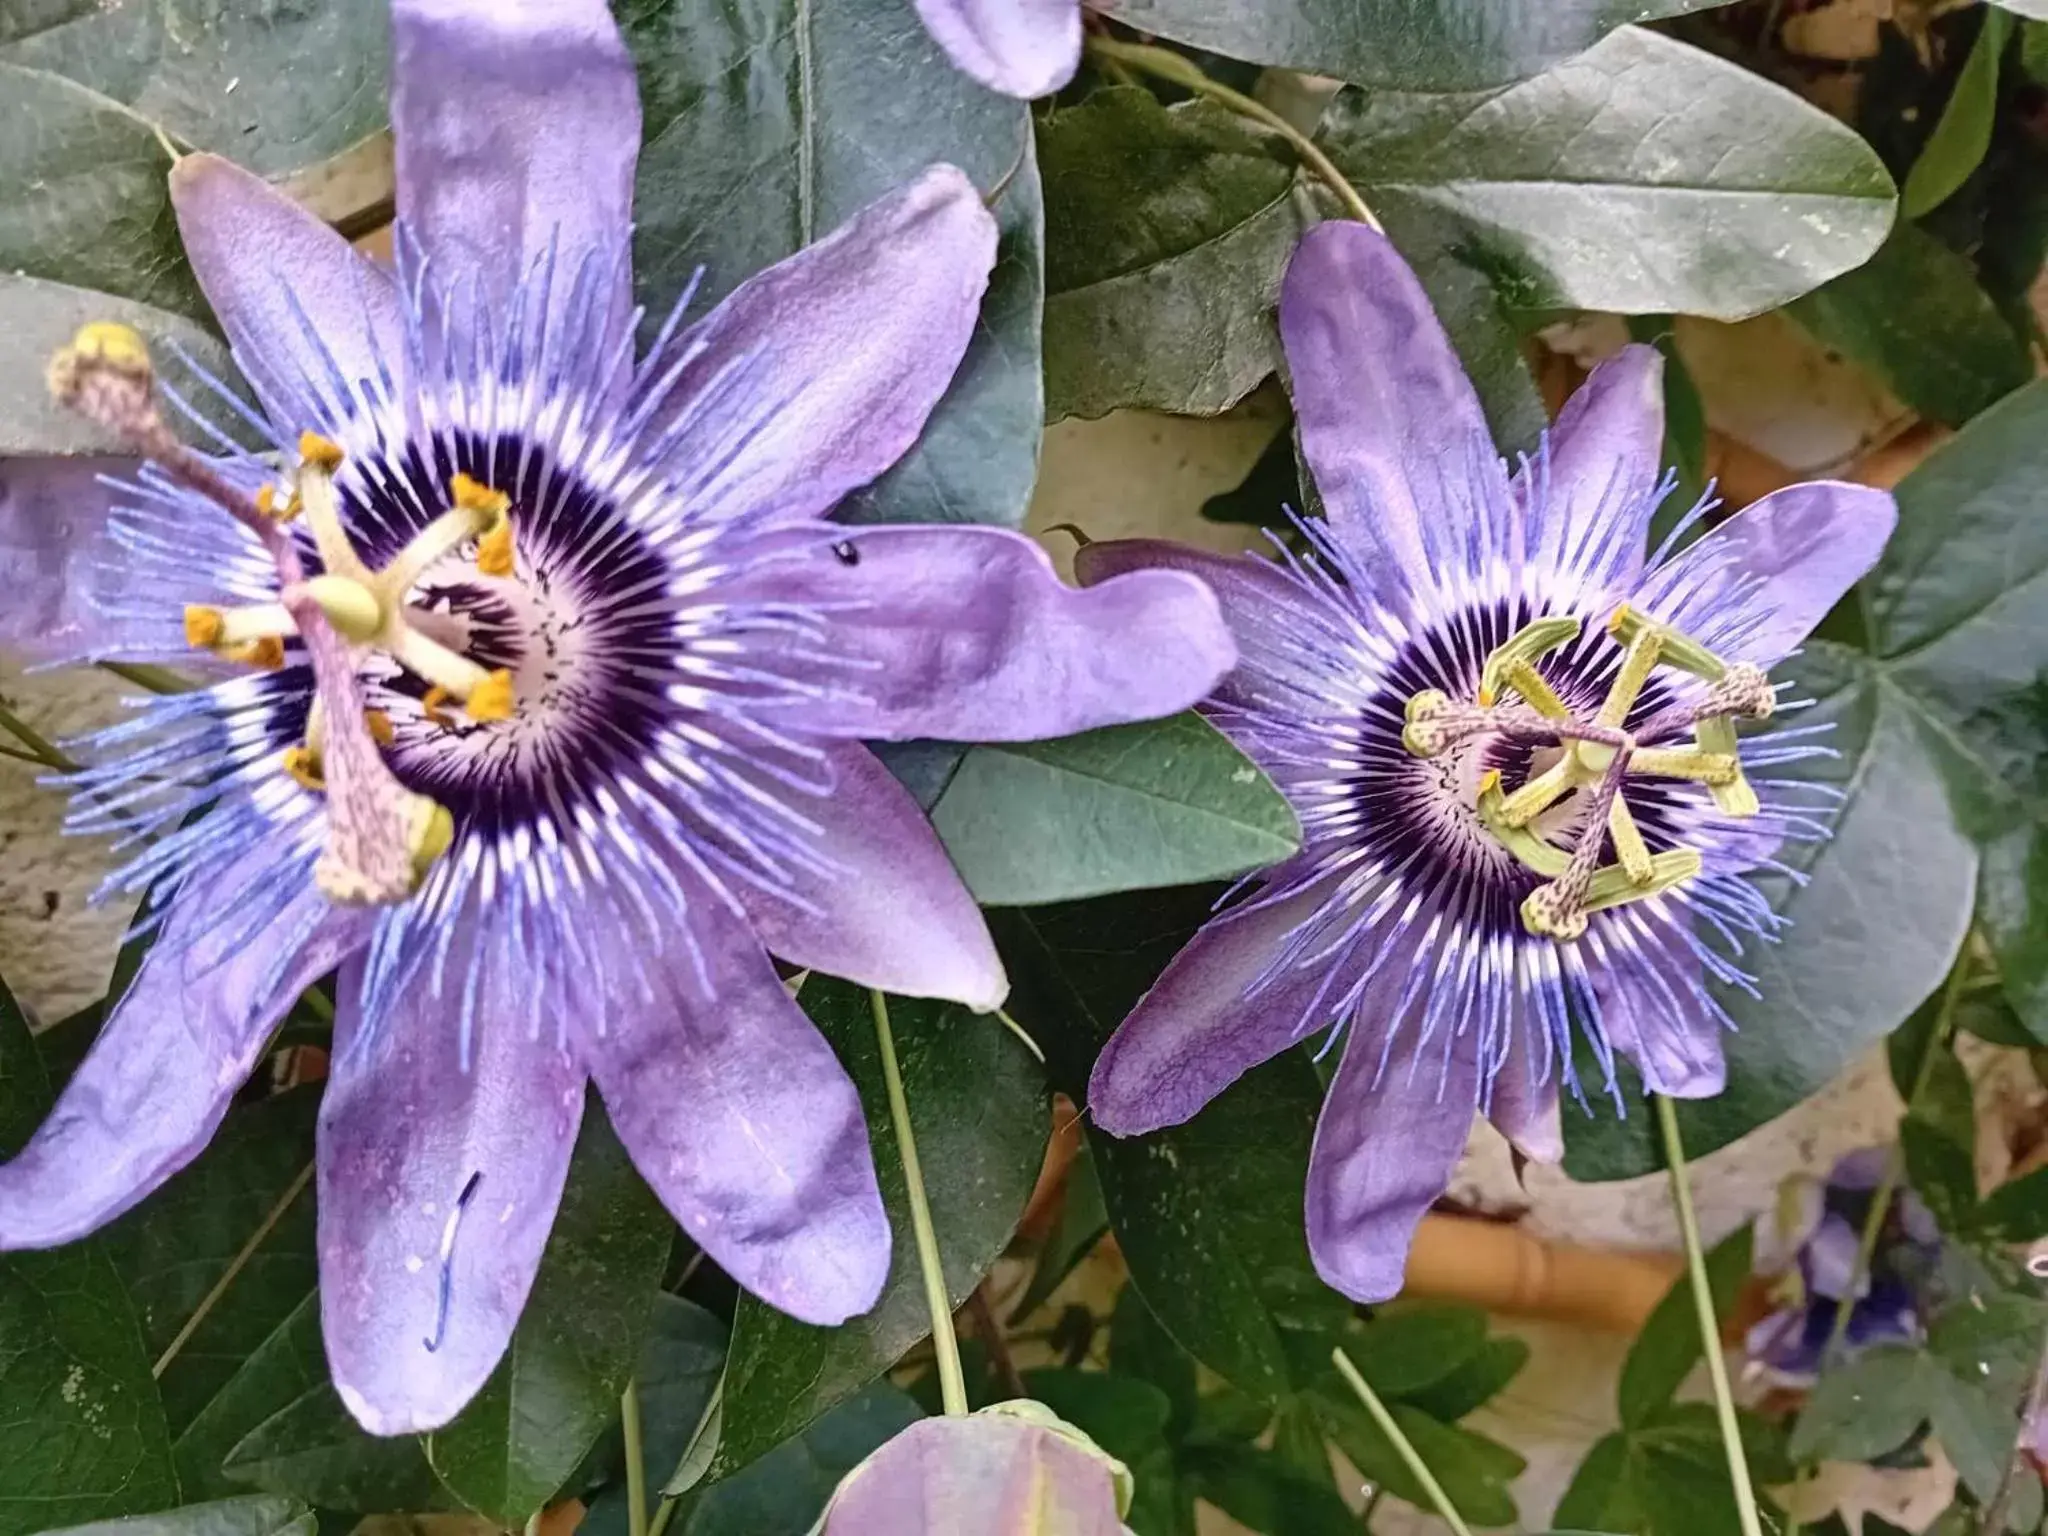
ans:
(2017, 1211)
(1139, 1347)
(678, 1372)
(768, 125)
(1127, 807)
(313, 1450)
(83, 195)
(1916, 318)
(1423, 45)
(1208, 1214)
(1410, 1347)
(1956, 147)
(1875, 928)
(37, 317)
(1941, 1173)
(1602, 1494)
(559, 1384)
(1476, 1382)
(253, 1515)
(1167, 230)
(978, 1106)
(784, 1492)
(1668, 1347)
(1867, 1406)
(274, 87)
(1753, 197)
(82, 1433)
(1262, 1492)
(290, 1364)
(1667, 1476)
(1473, 1470)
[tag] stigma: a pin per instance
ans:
(1591, 759)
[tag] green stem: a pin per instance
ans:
(945, 1347)
(1405, 1448)
(1894, 1163)
(29, 737)
(236, 1265)
(636, 1467)
(1710, 1326)
(155, 679)
(1182, 71)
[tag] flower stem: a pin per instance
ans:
(1182, 71)
(155, 679)
(945, 1347)
(1438, 1499)
(1710, 1327)
(636, 1468)
(35, 741)
(1993, 1522)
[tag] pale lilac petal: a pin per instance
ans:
(991, 1474)
(1653, 1004)
(419, 1286)
(1389, 424)
(1197, 1031)
(818, 374)
(168, 1061)
(1391, 1131)
(737, 1112)
(1524, 1107)
(1026, 48)
(1254, 593)
(1833, 1259)
(1588, 502)
(1757, 585)
(518, 129)
(967, 634)
(892, 913)
(309, 316)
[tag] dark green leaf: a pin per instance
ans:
(573, 1350)
(288, 1365)
(273, 86)
(1139, 1347)
(82, 1434)
(1208, 1214)
(1476, 1382)
(768, 125)
(1866, 1407)
(1473, 1470)
(784, 1492)
(1941, 1173)
(1602, 1494)
(1167, 230)
(678, 1372)
(38, 317)
(1668, 1347)
(1409, 1347)
(1916, 318)
(1874, 929)
(1127, 807)
(977, 1103)
(1926, 1073)
(254, 1515)
(1956, 147)
(83, 195)
(1424, 45)
(1264, 1493)
(1753, 198)
(313, 1450)
(2017, 1211)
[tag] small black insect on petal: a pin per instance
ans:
(847, 554)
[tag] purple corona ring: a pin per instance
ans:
(1025, 48)
(539, 688)
(1511, 741)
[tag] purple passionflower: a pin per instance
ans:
(1808, 1249)
(562, 733)
(1012, 1469)
(1026, 48)
(1509, 738)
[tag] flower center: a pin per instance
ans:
(1590, 757)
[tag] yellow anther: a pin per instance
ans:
(434, 705)
(282, 512)
(265, 652)
(1618, 620)
(380, 727)
(1540, 793)
(1613, 886)
(1489, 783)
(472, 495)
(1686, 763)
(1629, 847)
(494, 552)
(110, 343)
(491, 699)
(351, 607)
(204, 626)
(320, 452)
(1637, 663)
(303, 764)
(431, 833)
(1487, 697)
(1536, 692)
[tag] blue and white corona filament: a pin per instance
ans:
(1512, 741)
(538, 685)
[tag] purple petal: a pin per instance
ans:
(991, 1474)
(816, 375)
(53, 524)
(1389, 423)
(309, 316)
(438, 1182)
(893, 914)
(1257, 597)
(1524, 1107)
(518, 130)
(740, 1117)
(1605, 462)
(1392, 1129)
(1196, 1031)
(1026, 48)
(1832, 1259)
(157, 1081)
(1653, 1004)
(1758, 584)
(966, 634)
